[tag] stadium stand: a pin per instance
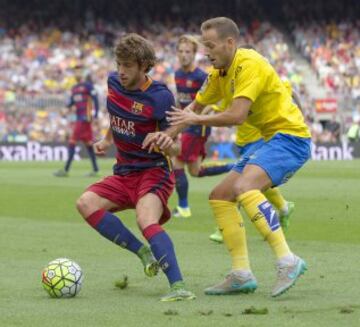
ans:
(37, 57)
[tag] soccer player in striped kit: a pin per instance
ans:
(84, 101)
(188, 80)
(142, 181)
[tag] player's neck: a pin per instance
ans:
(230, 62)
(143, 80)
(188, 68)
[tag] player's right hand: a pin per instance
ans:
(159, 140)
(101, 147)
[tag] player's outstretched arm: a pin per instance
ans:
(236, 114)
(194, 106)
(163, 139)
(208, 110)
(103, 145)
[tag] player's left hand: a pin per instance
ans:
(157, 139)
(179, 116)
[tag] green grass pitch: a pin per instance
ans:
(39, 222)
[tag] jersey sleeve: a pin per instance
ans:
(202, 77)
(288, 87)
(209, 92)
(249, 80)
(69, 101)
(166, 103)
(111, 81)
(177, 102)
(95, 99)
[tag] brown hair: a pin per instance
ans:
(225, 27)
(134, 47)
(187, 38)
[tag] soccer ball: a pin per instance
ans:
(62, 278)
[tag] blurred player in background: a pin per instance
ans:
(142, 181)
(84, 101)
(253, 92)
(188, 80)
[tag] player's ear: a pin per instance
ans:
(144, 67)
(231, 41)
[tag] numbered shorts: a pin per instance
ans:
(280, 157)
(126, 190)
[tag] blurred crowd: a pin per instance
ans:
(334, 52)
(37, 57)
(38, 66)
(327, 33)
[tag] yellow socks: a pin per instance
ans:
(276, 198)
(232, 227)
(263, 215)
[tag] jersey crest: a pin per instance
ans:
(238, 70)
(137, 108)
(189, 83)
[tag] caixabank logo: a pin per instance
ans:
(341, 151)
(319, 151)
(35, 151)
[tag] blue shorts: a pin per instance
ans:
(280, 157)
(250, 148)
(245, 152)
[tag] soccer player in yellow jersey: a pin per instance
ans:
(248, 140)
(253, 92)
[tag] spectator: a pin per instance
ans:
(353, 134)
(333, 126)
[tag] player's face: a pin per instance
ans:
(78, 74)
(130, 73)
(219, 51)
(186, 54)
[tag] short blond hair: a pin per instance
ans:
(188, 38)
(224, 26)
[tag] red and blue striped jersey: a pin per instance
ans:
(84, 99)
(134, 114)
(187, 85)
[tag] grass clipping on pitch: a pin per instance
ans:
(122, 283)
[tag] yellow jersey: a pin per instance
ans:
(288, 86)
(251, 76)
(245, 133)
